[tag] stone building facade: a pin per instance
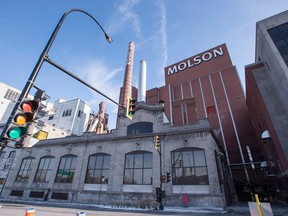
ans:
(123, 167)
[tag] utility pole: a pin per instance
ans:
(159, 191)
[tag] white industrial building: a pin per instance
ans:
(70, 116)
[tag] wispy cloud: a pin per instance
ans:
(101, 77)
(98, 75)
(163, 32)
(125, 17)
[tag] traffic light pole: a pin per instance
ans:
(161, 207)
(160, 195)
(42, 58)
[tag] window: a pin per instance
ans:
(66, 169)
(44, 169)
(279, 35)
(184, 114)
(7, 166)
(67, 112)
(2, 154)
(98, 169)
(138, 168)
(189, 167)
(25, 169)
(11, 95)
(80, 113)
(2, 180)
(140, 128)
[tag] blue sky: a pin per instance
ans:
(164, 32)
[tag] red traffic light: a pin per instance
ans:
(163, 179)
(29, 106)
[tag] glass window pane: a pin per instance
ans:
(283, 50)
(73, 165)
(137, 176)
(280, 43)
(99, 162)
(128, 176)
(129, 161)
(68, 163)
(92, 160)
(202, 175)
(98, 176)
(273, 31)
(187, 159)
(189, 176)
(46, 163)
(283, 27)
(41, 163)
(147, 177)
(62, 163)
(199, 158)
(106, 162)
(138, 161)
(148, 161)
(178, 159)
(276, 37)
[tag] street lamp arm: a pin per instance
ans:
(55, 32)
(80, 80)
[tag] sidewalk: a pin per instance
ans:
(241, 208)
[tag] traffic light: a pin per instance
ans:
(163, 179)
(158, 194)
(20, 122)
(157, 142)
(168, 177)
(130, 107)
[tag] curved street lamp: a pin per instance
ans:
(44, 57)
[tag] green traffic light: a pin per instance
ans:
(16, 132)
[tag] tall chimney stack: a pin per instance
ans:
(127, 83)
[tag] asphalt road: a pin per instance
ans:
(16, 209)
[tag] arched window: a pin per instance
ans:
(140, 128)
(189, 167)
(66, 170)
(12, 154)
(45, 167)
(138, 168)
(98, 169)
(2, 154)
(25, 169)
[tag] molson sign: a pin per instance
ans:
(197, 60)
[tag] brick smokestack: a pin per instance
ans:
(127, 83)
